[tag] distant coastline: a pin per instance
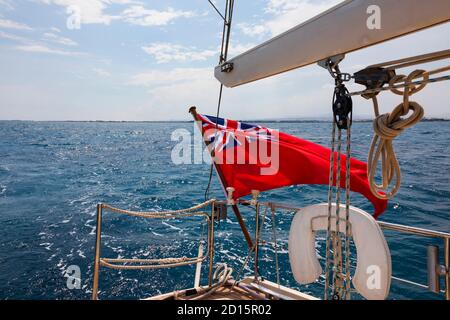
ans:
(188, 121)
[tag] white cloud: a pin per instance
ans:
(139, 15)
(91, 11)
(13, 37)
(238, 48)
(171, 92)
(9, 24)
(101, 72)
(176, 90)
(252, 29)
(38, 48)
(166, 94)
(161, 78)
(95, 12)
(30, 45)
(285, 14)
(48, 36)
(167, 52)
(6, 4)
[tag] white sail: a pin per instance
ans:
(342, 29)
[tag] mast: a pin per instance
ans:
(340, 30)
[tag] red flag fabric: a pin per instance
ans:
(251, 157)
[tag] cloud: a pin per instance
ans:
(52, 37)
(101, 72)
(95, 12)
(166, 52)
(141, 16)
(9, 24)
(30, 45)
(91, 11)
(171, 92)
(238, 48)
(176, 90)
(161, 78)
(6, 4)
(39, 48)
(285, 14)
(13, 37)
(252, 29)
(166, 94)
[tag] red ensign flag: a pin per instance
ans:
(250, 157)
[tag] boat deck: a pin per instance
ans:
(247, 289)
(227, 293)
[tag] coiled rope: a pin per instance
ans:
(389, 126)
(386, 128)
(221, 277)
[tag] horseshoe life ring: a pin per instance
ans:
(372, 278)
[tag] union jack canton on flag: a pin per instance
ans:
(230, 133)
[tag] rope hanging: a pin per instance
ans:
(388, 126)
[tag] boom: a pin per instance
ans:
(340, 30)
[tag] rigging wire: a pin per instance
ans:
(227, 19)
(343, 118)
(217, 10)
(211, 168)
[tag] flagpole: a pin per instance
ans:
(237, 212)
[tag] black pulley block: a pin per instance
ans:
(342, 107)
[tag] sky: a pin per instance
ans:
(133, 60)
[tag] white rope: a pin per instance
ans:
(387, 127)
(149, 264)
(146, 264)
(390, 125)
(221, 276)
(163, 214)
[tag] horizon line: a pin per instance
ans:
(241, 120)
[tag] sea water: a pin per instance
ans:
(52, 175)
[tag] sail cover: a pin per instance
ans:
(251, 157)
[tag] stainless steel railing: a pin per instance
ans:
(147, 264)
(435, 272)
(444, 236)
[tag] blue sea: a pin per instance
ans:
(52, 175)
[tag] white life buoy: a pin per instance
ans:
(372, 278)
